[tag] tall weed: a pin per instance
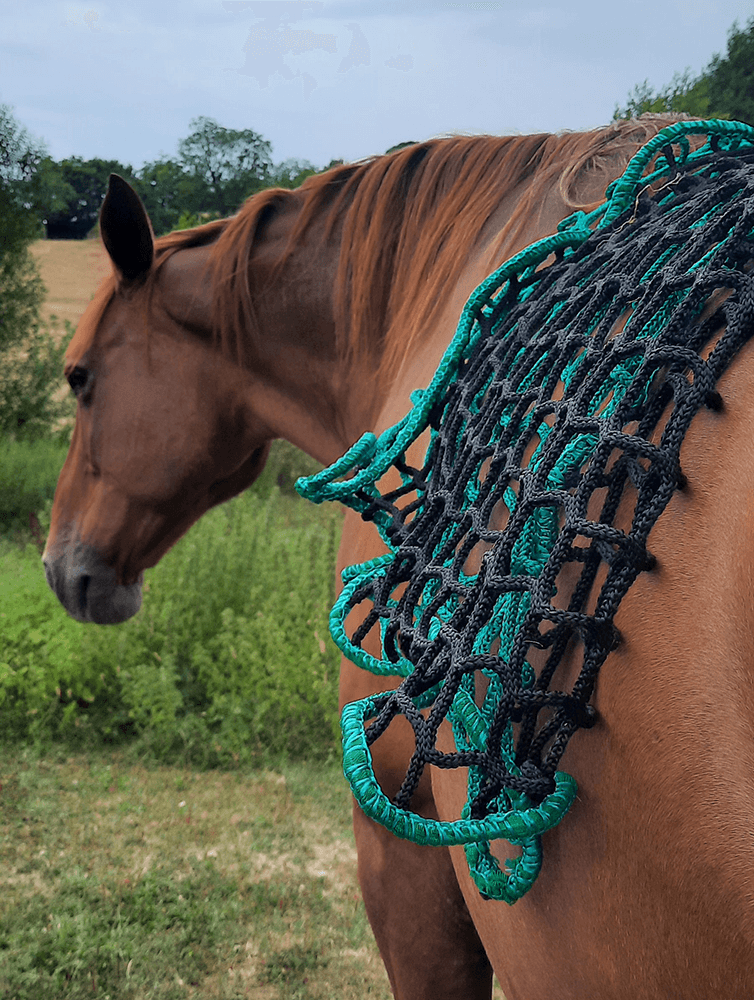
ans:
(228, 658)
(29, 471)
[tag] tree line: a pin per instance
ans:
(723, 89)
(214, 169)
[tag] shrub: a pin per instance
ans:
(229, 658)
(29, 471)
(30, 374)
(37, 648)
(30, 358)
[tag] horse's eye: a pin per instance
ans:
(77, 379)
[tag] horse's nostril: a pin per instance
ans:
(83, 587)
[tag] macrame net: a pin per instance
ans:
(575, 372)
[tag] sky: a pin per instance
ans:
(339, 78)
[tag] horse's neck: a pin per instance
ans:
(493, 246)
(299, 385)
(295, 386)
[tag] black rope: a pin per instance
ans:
(540, 370)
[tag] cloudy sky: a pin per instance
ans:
(339, 78)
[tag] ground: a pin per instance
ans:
(71, 271)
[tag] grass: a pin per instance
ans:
(29, 472)
(127, 882)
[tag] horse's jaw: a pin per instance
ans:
(88, 589)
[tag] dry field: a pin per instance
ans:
(71, 271)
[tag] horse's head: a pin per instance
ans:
(165, 427)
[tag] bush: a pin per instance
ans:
(29, 471)
(30, 374)
(21, 288)
(30, 358)
(228, 660)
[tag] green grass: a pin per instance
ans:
(228, 660)
(127, 882)
(28, 475)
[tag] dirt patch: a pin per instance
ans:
(71, 271)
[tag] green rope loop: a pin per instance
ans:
(625, 189)
(513, 827)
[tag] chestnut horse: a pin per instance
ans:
(311, 315)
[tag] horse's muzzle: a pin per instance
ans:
(87, 588)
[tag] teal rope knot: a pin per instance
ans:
(512, 816)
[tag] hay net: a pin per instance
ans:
(567, 390)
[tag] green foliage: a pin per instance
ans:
(36, 655)
(731, 77)
(28, 474)
(171, 194)
(228, 659)
(232, 164)
(50, 193)
(88, 180)
(725, 89)
(20, 153)
(21, 290)
(188, 220)
(29, 375)
(29, 356)
(290, 173)
(684, 93)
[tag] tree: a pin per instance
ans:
(20, 154)
(683, 93)
(30, 359)
(232, 164)
(290, 173)
(731, 78)
(725, 89)
(87, 179)
(49, 191)
(21, 288)
(168, 191)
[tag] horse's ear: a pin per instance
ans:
(126, 230)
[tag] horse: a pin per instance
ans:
(312, 315)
